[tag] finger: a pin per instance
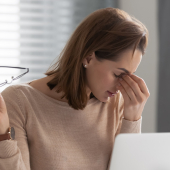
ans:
(133, 84)
(141, 83)
(128, 90)
(2, 104)
(124, 94)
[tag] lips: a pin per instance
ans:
(113, 93)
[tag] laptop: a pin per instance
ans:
(145, 151)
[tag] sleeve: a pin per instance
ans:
(126, 126)
(130, 126)
(14, 154)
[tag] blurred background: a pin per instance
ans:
(33, 33)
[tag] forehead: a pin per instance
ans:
(127, 61)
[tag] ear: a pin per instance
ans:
(88, 58)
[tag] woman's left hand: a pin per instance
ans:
(135, 94)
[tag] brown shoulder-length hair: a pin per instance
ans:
(107, 32)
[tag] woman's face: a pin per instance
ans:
(101, 77)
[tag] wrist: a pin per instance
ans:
(4, 132)
(132, 119)
(10, 135)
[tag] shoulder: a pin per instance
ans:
(16, 90)
(15, 87)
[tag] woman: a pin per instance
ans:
(70, 118)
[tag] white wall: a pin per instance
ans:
(146, 12)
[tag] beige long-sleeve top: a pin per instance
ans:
(51, 135)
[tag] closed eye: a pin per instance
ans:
(117, 76)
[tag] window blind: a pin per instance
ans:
(33, 32)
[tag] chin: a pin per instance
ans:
(105, 99)
(102, 98)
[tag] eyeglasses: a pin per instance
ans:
(14, 78)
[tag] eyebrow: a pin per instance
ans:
(126, 71)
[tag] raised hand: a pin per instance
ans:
(135, 94)
(4, 119)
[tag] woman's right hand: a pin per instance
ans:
(4, 119)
